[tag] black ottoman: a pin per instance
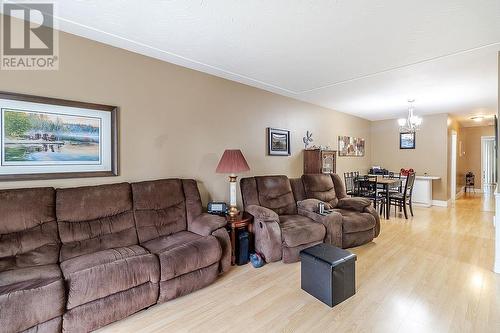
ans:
(328, 273)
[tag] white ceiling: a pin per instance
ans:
(363, 57)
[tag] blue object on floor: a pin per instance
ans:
(256, 260)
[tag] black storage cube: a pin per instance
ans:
(328, 273)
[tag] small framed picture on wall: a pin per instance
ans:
(278, 142)
(407, 140)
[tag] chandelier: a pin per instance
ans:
(412, 123)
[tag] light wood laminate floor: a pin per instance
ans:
(431, 273)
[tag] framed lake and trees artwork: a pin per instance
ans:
(278, 142)
(44, 138)
(407, 140)
(351, 146)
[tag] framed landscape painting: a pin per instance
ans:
(351, 146)
(407, 140)
(43, 138)
(278, 142)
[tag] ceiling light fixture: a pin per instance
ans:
(477, 118)
(412, 123)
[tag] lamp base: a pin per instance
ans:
(233, 212)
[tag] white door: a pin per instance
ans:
(488, 163)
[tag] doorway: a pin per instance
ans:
(488, 164)
(453, 171)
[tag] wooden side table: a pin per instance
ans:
(243, 221)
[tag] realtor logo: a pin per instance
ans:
(29, 40)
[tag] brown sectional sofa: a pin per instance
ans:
(32, 293)
(359, 222)
(170, 224)
(280, 232)
(77, 259)
(108, 275)
(286, 221)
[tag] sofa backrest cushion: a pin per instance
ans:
(339, 186)
(275, 193)
(321, 187)
(94, 218)
(28, 229)
(160, 208)
(249, 194)
(298, 189)
(194, 207)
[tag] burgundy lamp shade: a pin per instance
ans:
(232, 161)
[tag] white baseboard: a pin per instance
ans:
(421, 204)
(440, 203)
(474, 190)
(460, 193)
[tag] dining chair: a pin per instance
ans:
(349, 180)
(404, 199)
(368, 188)
(397, 188)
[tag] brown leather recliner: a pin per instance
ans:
(193, 247)
(356, 221)
(32, 293)
(280, 232)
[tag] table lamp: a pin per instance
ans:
(232, 162)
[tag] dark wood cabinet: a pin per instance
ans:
(320, 161)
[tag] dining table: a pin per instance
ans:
(386, 182)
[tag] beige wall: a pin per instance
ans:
(176, 122)
(430, 155)
(472, 150)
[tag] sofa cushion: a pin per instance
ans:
(357, 204)
(249, 193)
(166, 243)
(28, 231)
(96, 275)
(94, 218)
(103, 311)
(87, 203)
(160, 208)
(353, 221)
(298, 230)
(32, 247)
(206, 223)
(30, 296)
(184, 252)
(340, 190)
(321, 187)
(30, 273)
(298, 189)
(194, 207)
(275, 193)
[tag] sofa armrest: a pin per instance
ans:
(374, 213)
(331, 221)
(206, 223)
(267, 232)
(262, 214)
(311, 205)
(356, 203)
